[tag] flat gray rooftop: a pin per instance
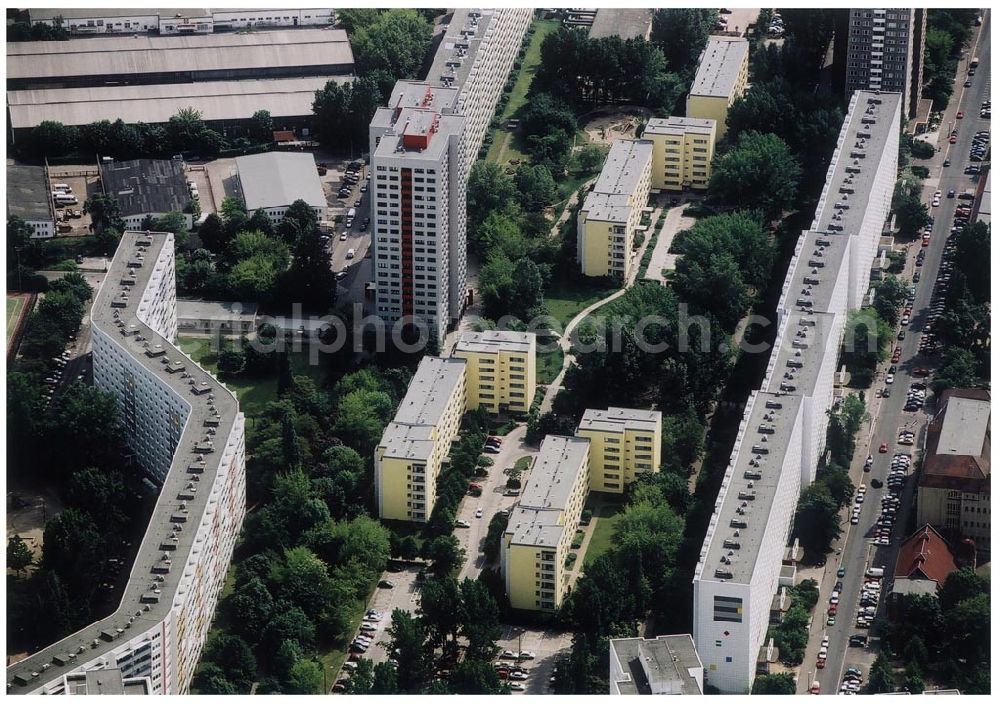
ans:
(554, 472)
(211, 403)
(679, 126)
(146, 185)
(661, 664)
(798, 354)
(750, 493)
(392, 143)
(620, 419)
(719, 66)
(539, 527)
(456, 53)
(28, 194)
(632, 23)
(429, 391)
(966, 423)
(126, 54)
(277, 179)
(215, 310)
(39, 14)
(627, 161)
(493, 341)
(157, 103)
(411, 442)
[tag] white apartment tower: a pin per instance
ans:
(783, 431)
(188, 434)
(422, 147)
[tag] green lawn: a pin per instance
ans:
(253, 394)
(14, 306)
(606, 516)
(548, 365)
(532, 57)
(566, 298)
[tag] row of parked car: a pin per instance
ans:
(980, 146)
(852, 681)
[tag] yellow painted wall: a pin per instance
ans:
(395, 473)
(689, 161)
(490, 378)
(623, 466)
(595, 243)
(710, 108)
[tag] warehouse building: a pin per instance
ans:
(146, 60)
(783, 431)
(224, 105)
(663, 665)
(683, 149)
(723, 72)
(273, 181)
(607, 222)
(96, 21)
(147, 188)
(187, 432)
(29, 198)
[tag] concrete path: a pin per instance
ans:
(674, 222)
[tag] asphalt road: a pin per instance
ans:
(888, 415)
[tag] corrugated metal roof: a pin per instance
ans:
(216, 100)
(209, 52)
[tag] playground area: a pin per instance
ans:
(606, 128)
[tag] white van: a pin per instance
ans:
(350, 253)
(63, 187)
(351, 213)
(66, 199)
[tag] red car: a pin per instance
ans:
(927, 241)
(820, 664)
(952, 139)
(896, 354)
(883, 448)
(922, 371)
(959, 115)
(832, 611)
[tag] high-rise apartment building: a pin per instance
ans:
(885, 51)
(187, 432)
(722, 76)
(500, 374)
(408, 457)
(607, 222)
(683, 149)
(624, 444)
(422, 147)
(783, 431)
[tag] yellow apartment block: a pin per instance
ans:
(607, 222)
(723, 71)
(624, 443)
(683, 149)
(542, 525)
(500, 371)
(408, 457)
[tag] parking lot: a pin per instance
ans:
(547, 645)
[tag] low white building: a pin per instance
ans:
(177, 20)
(273, 181)
(662, 665)
(225, 318)
(29, 198)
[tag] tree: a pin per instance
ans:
(911, 214)
(310, 280)
(252, 607)
(881, 678)
(351, 20)
(102, 494)
(536, 187)
(958, 369)
(75, 284)
(64, 309)
(231, 207)
(967, 629)
(289, 623)
(590, 157)
(361, 418)
(407, 636)
(384, 680)
(476, 677)
(53, 139)
(760, 173)
(73, 548)
(395, 42)
(441, 611)
(916, 652)
(105, 213)
(913, 679)
(261, 126)
(233, 655)
(360, 681)
(19, 557)
(890, 294)
(480, 618)
(782, 683)
(961, 585)
(82, 429)
(305, 677)
(445, 555)
(212, 234)
(231, 361)
(682, 35)
(211, 679)
(490, 190)
(816, 521)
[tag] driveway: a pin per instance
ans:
(662, 259)
(511, 449)
(547, 645)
